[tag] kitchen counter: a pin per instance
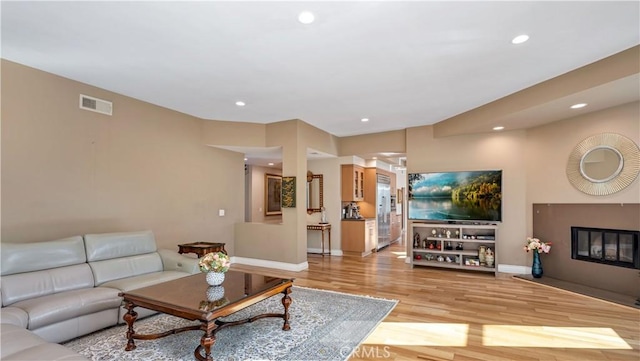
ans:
(358, 219)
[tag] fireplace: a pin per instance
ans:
(607, 246)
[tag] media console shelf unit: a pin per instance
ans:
(458, 246)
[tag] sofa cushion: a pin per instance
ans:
(20, 344)
(22, 286)
(131, 283)
(66, 305)
(117, 245)
(118, 268)
(14, 316)
(19, 257)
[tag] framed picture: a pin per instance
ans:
(272, 194)
(288, 192)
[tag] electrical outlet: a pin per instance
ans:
(221, 212)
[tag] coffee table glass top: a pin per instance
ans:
(190, 294)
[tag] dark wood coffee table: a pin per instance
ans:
(187, 298)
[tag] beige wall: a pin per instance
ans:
(67, 171)
(505, 151)
(549, 146)
(237, 134)
(393, 141)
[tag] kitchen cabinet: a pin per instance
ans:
(359, 236)
(396, 226)
(352, 183)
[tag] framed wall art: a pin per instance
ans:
(272, 195)
(288, 192)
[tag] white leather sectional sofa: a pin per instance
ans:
(55, 291)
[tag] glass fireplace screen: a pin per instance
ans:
(608, 246)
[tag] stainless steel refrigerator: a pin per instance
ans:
(383, 198)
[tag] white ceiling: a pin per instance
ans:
(401, 64)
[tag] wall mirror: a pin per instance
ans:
(603, 164)
(314, 193)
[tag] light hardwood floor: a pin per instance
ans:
(454, 315)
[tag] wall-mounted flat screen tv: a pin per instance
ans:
(474, 196)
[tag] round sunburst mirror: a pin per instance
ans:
(603, 164)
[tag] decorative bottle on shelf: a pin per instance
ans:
(489, 257)
(482, 254)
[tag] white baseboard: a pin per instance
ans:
(271, 264)
(334, 252)
(507, 268)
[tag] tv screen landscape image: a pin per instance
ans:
(474, 196)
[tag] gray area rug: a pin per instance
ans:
(325, 325)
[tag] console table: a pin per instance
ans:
(322, 227)
(201, 248)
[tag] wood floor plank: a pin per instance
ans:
(435, 304)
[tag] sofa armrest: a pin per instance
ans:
(14, 316)
(172, 261)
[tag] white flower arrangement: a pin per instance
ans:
(214, 262)
(534, 244)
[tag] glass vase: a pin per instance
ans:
(536, 267)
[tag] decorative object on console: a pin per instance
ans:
(214, 264)
(537, 246)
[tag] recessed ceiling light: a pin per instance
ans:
(374, 158)
(306, 17)
(240, 103)
(520, 39)
(245, 159)
(364, 119)
(500, 127)
(579, 105)
(270, 163)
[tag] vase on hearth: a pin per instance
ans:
(536, 267)
(215, 278)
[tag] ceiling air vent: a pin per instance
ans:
(96, 105)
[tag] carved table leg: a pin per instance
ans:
(206, 342)
(286, 301)
(130, 317)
